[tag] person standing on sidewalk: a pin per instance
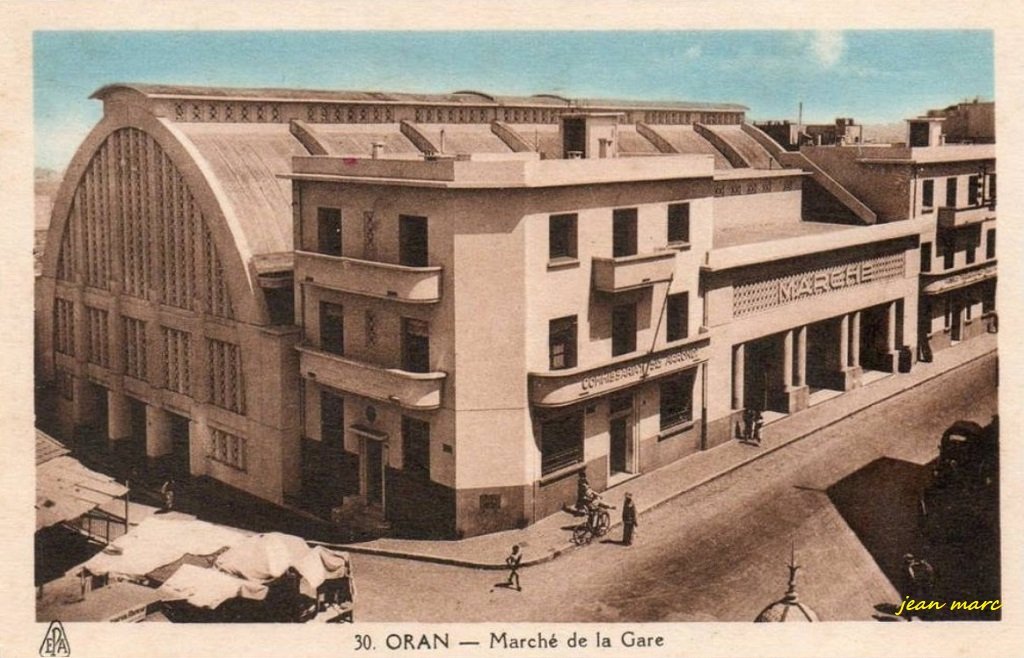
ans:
(629, 522)
(168, 493)
(582, 491)
(513, 561)
(757, 425)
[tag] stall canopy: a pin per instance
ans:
(160, 541)
(208, 588)
(66, 490)
(265, 557)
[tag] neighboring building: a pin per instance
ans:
(791, 136)
(969, 122)
(429, 312)
(951, 189)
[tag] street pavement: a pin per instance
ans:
(719, 552)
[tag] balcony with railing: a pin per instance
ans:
(410, 390)
(953, 218)
(629, 272)
(419, 285)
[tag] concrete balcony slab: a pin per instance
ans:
(410, 390)
(417, 285)
(629, 272)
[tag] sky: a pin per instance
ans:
(873, 76)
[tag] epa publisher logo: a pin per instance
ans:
(55, 643)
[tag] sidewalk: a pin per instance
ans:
(550, 537)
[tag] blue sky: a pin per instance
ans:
(874, 76)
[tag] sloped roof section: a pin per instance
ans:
(246, 160)
(686, 140)
(465, 138)
(358, 139)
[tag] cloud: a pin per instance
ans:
(693, 52)
(828, 47)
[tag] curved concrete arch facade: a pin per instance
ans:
(184, 367)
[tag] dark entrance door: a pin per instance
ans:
(619, 445)
(178, 462)
(132, 449)
(874, 332)
(374, 472)
(412, 240)
(823, 371)
(764, 388)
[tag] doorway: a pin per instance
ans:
(874, 332)
(179, 457)
(764, 388)
(622, 438)
(824, 370)
(373, 472)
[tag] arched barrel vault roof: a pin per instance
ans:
(232, 173)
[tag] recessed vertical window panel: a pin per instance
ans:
(990, 243)
(415, 345)
(332, 328)
(328, 231)
(928, 195)
(951, 192)
(412, 239)
(623, 329)
(926, 256)
(974, 190)
(562, 237)
(678, 223)
(624, 227)
(562, 343)
(677, 316)
(332, 420)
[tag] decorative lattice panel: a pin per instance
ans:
(765, 294)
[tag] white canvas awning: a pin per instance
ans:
(65, 490)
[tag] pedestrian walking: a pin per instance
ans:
(629, 521)
(755, 434)
(168, 493)
(920, 577)
(513, 561)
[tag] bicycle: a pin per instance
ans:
(596, 525)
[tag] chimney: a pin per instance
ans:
(442, 141)
(378, 150)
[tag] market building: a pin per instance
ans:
(425, 314)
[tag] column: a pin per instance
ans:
(844, 342)
(787, 359)
(158, 432)
(738, 376)
(890, 334)
(119, 417)
(855, 340)
(801, 356)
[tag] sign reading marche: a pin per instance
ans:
(768, 293)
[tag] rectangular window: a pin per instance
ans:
(561, 442)
(677, 400)
(678, 315)
(562, 343)
(64, 327)
(177, 360)
(951, 192)
(624, 232)
(947, 316)
(968, 309)
(623, 329)
(990, 243)
(416, 447)
(135, 348)
(96, 336)
(228, 449)
(678, 223)
(926, 256)
(332, 421)
(991, 191)
(948, 252)
(415, 345)
(972, 250)
(328, 231)
(224, 361)
(332, 328)
(412, 241)
(562, 236)
(974, 190)
(928, 195)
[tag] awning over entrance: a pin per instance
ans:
(66, 490)
(961, 280)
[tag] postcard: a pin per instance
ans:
(394, 330)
